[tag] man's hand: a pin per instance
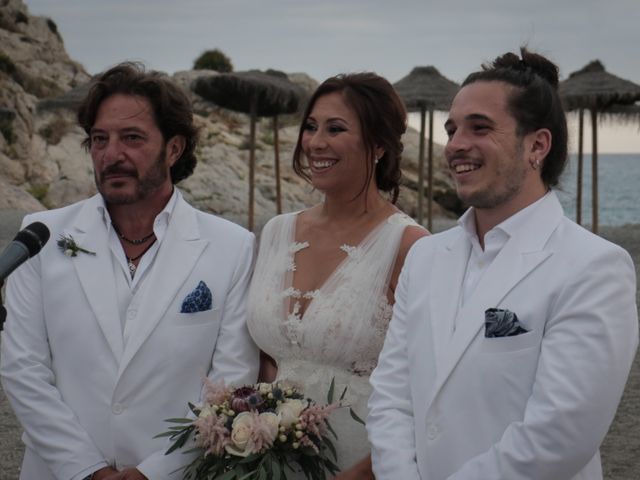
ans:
(103, 473)
(127, 474)
(360, 471)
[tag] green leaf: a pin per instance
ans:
(262, 473)
(329, 465)
(344, 392)
(179, 420)
(251, 458)
(275, 470)
(181, 439)
(330, 428)
(331, 447)
(356, 417)
(227, 476)
(247, 476)
(331, 388)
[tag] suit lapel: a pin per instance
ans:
(447, 274)
(178, 254)
(522, 253)
(90, 233)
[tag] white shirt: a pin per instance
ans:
(496, 238)
(129, 290)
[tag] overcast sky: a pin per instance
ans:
(325, 37)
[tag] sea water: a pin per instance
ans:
(618, 189)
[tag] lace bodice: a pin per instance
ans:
(346, 319)
(343, 327)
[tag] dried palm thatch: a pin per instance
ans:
(426, 89)
(259, 94)
(593, 88)
(624, 114)
(272, 91)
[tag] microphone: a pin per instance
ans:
(28, 242)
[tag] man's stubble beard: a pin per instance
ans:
(511, 183)
(153, 179)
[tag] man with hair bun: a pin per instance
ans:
(513, 333)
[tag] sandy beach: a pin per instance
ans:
(620, 450)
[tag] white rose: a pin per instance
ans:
(289, 411)
(240, 433)
(273, 421)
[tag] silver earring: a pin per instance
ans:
(535, 164)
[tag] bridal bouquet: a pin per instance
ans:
(254, 432)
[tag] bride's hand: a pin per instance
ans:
(360, 471)
(268, 368)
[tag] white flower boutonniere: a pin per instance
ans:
(70, 248)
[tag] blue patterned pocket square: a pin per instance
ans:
(199, 300)
(501, 323)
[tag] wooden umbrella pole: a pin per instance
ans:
(276, 154)
(252, 159)
(594, 171)
(579, 173)
(430, 174)
(421, 166)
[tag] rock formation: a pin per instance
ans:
(42, 164)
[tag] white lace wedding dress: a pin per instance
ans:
(342, 330)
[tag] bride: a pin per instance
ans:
(322, 291)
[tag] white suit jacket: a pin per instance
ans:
(456, 405)
(82, 397)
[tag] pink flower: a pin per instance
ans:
(215, 393)
(314, 418)
(212, 434)
(245, 398)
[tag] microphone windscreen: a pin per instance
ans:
(33, 236)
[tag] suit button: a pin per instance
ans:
(432, 432)
(131, 314)
(117, 408)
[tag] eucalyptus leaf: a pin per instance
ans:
(356, 417)
(344, 392)
(179, 420)
(331, 389)
(331, 447)
(230, 475)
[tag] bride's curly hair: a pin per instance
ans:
(383, 121)
(534, 103)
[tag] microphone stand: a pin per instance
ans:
(3, 311)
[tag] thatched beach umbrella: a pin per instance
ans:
(425, 89)
(593, 88)
(260, 94)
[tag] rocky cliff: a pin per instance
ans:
(42, 164)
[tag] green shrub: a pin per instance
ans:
(7, 65)
(39, 192)
(54, 28)
(6, 129)
(213, 60)
(267, 137)
(21, 18)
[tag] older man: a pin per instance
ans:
(112, 330)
